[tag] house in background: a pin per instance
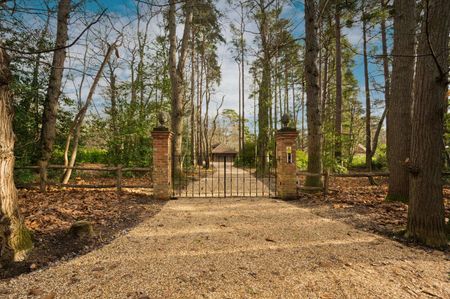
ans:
(223, 152)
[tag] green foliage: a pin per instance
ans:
(301, 160)
(358, 161)
(247, 157)
(380, 158)
(379, 161)
(84, 155)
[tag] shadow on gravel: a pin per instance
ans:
(364, 207)
(50, 216)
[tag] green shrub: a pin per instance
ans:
(84, 155)
(379, 161)
(247, 157)
(301, 160)
(358, 161)
(380, 158)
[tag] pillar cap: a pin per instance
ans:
(161, 131)
(287, 132)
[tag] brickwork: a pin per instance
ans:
(162, 164)
(286, 167)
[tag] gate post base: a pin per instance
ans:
(286, 163)
(162, 163)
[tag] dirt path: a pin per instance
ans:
(241, 248)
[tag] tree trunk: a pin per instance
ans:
(338, 108)
(399, 113)
(200, 110)
(240, 109)
(367, 93)
(377, 134)
(192, 95)
(12, 228)
(78, 122)
(286, 89)
(264, 106)
(387, 80)
(48, 131)
(114, 114)
(426, 220)
(206, 120)
(302, 141)
(312, 94)
(275, 92)
(176, 72)
(242, 78)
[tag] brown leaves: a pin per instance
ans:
(356, 201)
(50, 216)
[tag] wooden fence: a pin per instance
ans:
(118, 170)
(327, 175)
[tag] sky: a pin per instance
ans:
(229, 87)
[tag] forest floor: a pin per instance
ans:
(356, 202)
(316, 247)
(50, 216)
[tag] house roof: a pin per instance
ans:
(223, 149)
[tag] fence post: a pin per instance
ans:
(43, 176)
(119, 178)
(326, 182)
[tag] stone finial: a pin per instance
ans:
(285, 120)
(162, 119)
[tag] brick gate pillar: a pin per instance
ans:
(162, 163)
(286, 166)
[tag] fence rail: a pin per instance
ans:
(327, 176)
(119, 170)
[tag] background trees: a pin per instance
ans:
(331, 74)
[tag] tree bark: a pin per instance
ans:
(192, 97)
(367, 93)
(12, 229)
(176, 72)
(243, 77)
(240, 109)
(338, 108)
(48, 131)
(312, 94)
(399, 113)
(264, 97)
(114, 113)
(426, 220)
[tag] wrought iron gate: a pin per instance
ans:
(223, 178)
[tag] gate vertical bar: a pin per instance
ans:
(224, 176)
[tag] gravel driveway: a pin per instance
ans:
(241, 248)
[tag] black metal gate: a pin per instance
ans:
(223, 178)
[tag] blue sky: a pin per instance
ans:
(229, 86)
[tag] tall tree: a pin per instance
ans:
(48, 131)
(365, 20)
(426, 220)
(338, 109)
(264, 94)
(399, 113)
(12, 229)
(312, 93)
(75, 131)
(176, 71)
